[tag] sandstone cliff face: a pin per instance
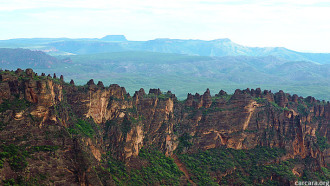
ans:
(34, 120)
(92, 121)
(100, 103)
(248, 119)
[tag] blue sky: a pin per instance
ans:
(302, 25)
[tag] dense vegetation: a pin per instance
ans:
(86, 128)
(16, 156)
(155, 169)
(244, 167)
(16, 105)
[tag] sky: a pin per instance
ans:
(302, 25)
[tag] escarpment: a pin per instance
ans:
(72, 132)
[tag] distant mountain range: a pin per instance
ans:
(118, 43)
(178, 65)
(179, 73)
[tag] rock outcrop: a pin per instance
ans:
(92, 121)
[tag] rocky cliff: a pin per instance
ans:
(57, 133)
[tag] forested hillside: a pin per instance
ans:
(24, 58)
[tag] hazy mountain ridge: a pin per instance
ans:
(219, 47)
(118, 43)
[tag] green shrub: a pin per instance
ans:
(164, 96)
(2, 125)
(184, 142)
(45, 148)
(8, 182)
(275, 105)
(260, 100)
(14, 155)
(160, 170)
(126, 126)
(322, 142)
(132, 110)
(252, 162)
(225, 97)
(15, 104)
(82, 127)
(302, 110)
